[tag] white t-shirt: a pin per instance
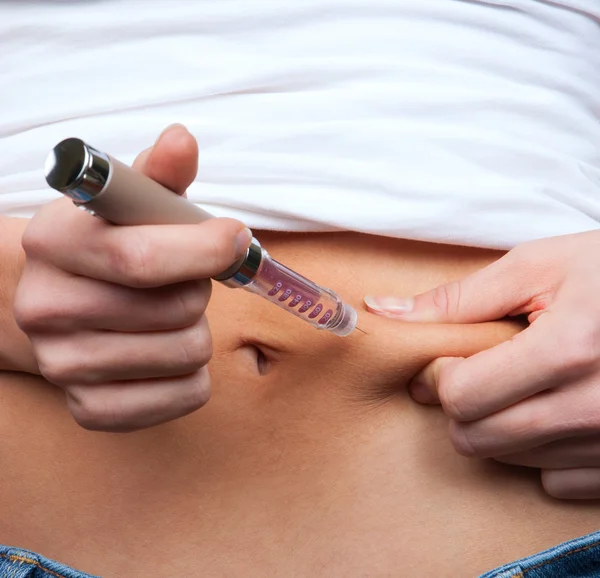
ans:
(463, 121)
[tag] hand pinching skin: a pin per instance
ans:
(535, 399)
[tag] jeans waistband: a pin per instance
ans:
(579, 558)
(18, 563)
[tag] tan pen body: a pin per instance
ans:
(113, 191)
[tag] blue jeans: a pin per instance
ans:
(578, 558)
(17, 563)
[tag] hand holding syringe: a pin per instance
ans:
(109, 189)
(116, 316)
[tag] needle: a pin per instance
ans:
(359, 329)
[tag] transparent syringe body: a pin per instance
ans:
(320, 307)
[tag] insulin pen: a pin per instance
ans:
(107, 188)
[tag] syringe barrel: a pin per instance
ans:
(115, 192)
(316, 305)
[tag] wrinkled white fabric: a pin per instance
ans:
(462, 121)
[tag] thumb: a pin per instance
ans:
(424, 386)
(493, 292)
(172, 161)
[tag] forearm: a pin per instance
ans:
(16, 353)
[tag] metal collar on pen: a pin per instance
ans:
(239, 275)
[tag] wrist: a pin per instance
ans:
(16, 353)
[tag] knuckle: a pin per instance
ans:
(451, 402)
(464, 444)
(576, 413)
(578, 349)
(196, 346)
(35, 241)
(192, 300)
(29, 306)
(32, 311)
(56, 369)
(534, 418)
(457, 402)
(91, 412)
(220, 251)
(134, 261)
(27, 313)
(61, 365)
(447, 299)
(197, 392)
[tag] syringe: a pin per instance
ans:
(107, 188)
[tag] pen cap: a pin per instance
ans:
(115, 191)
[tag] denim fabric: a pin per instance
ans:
(578, 558)
(17, 563)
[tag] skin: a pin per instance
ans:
(132, 290)
(16, 353)
(308, 459)
(535, 399)
(119, 323)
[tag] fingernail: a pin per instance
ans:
(419, 391)
(389, 305)
(242, 242)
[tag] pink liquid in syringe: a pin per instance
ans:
(285, 288)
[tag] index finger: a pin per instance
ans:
(138, 256)
(530, 362)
